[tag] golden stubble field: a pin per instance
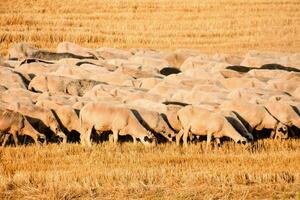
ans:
(267, 170)
(210, 26)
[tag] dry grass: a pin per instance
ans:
(226, 26)
(268, 170)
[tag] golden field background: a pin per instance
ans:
(210, 26)
(267, 170)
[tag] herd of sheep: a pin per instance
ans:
(78, 94)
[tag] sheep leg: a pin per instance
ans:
(6, 136)
(178, 137)
(88, 137)
(208, 142)
(15, 137)
(116, 136)
(273, 134)
(134, 140)
(110, 138)
(1, 137)
(35, 138)
(82, 139)
(185, 137)
(85, 138)
(218, 142)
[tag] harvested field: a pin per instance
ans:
(270, 170)
(149, 99)
(227, 26)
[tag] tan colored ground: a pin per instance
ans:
(226, 26)
(269, 170)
